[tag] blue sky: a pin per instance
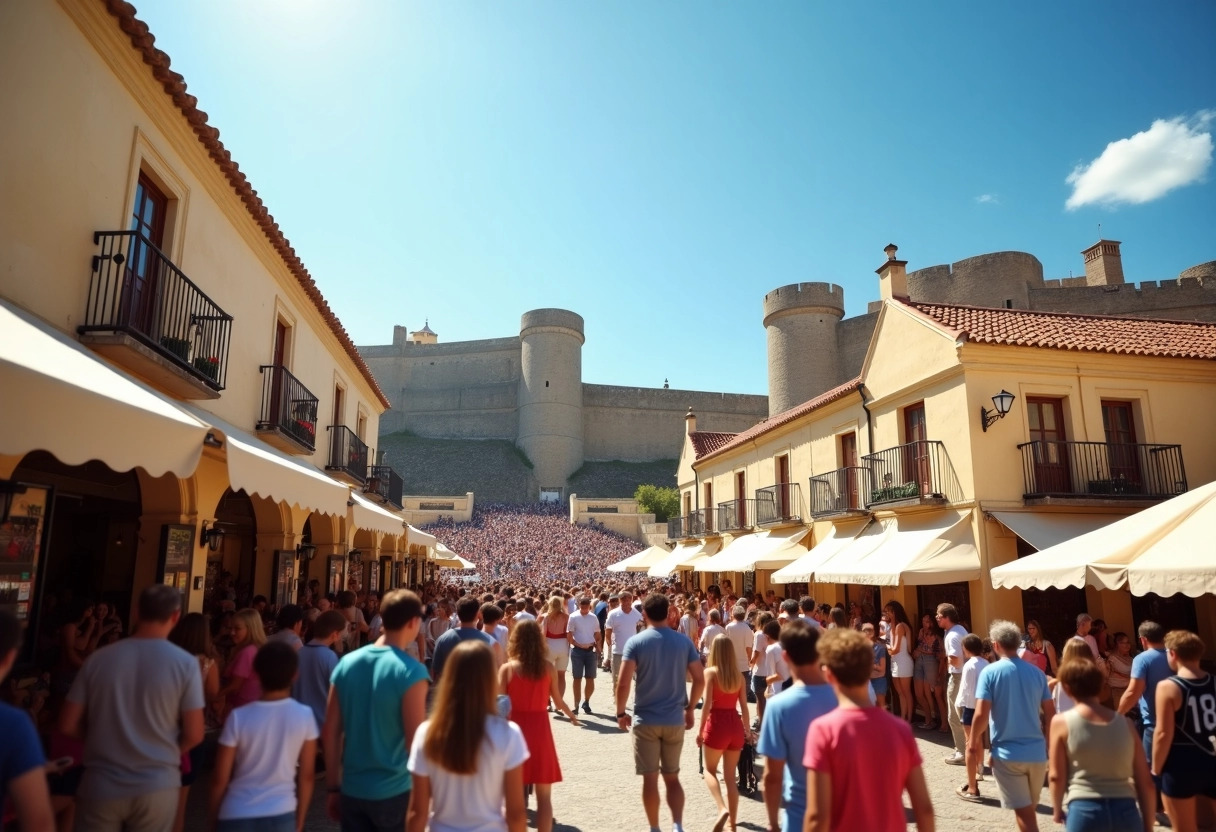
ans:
(658, 166)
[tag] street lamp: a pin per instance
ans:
(1002, 401)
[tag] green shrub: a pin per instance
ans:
(663, 502)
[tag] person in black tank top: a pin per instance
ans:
(1184, 741)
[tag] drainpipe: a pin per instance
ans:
(861, 391)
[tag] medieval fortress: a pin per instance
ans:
(529, 389)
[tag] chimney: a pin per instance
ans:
(399, 336)
(1103, 264)
(690, 422)
(893, 276)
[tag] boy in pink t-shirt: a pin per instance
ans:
(842, 751)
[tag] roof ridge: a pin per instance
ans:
(915, 304)
(174, 84)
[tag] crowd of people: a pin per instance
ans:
(535, 543)
(433, 709)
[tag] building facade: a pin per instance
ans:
(902, 483)
(180, 403)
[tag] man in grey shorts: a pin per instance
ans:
(583, 630)
(663, 708)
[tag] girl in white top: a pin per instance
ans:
(467, 761)
(778, 671)
(1075, 650)
(255, 775)
(711, 631)
(760, 663)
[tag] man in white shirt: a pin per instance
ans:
(741, 637)
(807, 606)
(711, 631)
(947, 619)
(622, 624)
(583, 632)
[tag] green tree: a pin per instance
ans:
(663, 502)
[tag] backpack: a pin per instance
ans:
(747, 768)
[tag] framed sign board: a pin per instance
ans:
(176, 558)
(24, 517)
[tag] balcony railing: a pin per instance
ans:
(917, 470)
(840, 491)
(288, 406)
(737, 514)
(676, 527)
(384, 483)
(779, 503)
(1102, 470)
(347, 453)
(136, 290)
(701, 522)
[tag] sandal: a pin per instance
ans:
(964, 793)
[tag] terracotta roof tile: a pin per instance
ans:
(706, 442)
(1063, 331)
(783, 418)
(175, 87)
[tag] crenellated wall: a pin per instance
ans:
(1190, 298)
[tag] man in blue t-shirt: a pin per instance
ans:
(1148, 669)
(663, 708)
(22, 776)
(376, 702)
(1013, 692)
(468, 610)
(787, 718)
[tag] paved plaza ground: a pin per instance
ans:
(602, 794)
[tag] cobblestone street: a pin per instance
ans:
(601, 793)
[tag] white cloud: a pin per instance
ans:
(1169, 154)
(988, 199)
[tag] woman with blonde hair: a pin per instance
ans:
(1075, 650)
(555, 620)
(722, 732)
(529, 680)
(241, 685)
(466, 760)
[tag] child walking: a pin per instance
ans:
(974, 662)
(255, 781)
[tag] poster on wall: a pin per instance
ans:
(284, 576)
(333, 574)
(176, 557)
(24, 510)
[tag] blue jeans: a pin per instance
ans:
(277, 823)
(1112, 814)
(386, 815)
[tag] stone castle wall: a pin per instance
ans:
(1187, 299)
(985, 280)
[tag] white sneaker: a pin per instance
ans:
(956, 759)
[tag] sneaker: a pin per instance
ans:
(586, 707)
(955, 759)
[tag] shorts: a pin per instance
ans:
(1018, 783)
(968, 714)
(724, 730)
(1188, 772)
(879, 685)
(901, 666)
(1115, 814)
(657, 748)
(582, 663)
(277, 823)
(759, 686)
(559, 652)
(617, 661)
(924, 669)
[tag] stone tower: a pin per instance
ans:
(800, 320)
(551, 394)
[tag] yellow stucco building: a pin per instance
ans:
(907, 483)
(179, 400)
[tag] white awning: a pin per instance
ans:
(803, 569)
(56, 396)
(1042, 529)
(417, 537)
(771, 549)
(913, 550)
(257, 468)
(683, 557)
(365, 514)
(1164, 549)
(642, 561)
(447, 559)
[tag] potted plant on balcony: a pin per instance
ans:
(307, 428)
(208, 366)
(179, 347)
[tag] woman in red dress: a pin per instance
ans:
(722, 734)
(529, 679)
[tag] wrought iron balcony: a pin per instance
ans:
(289, 411)
(737, 514)
(840, 491)
(1102, 470)
(779, 503)
(676, 527)
(917, 470)
(348, 455)
(385, 483)
(701, 522)
(145, 313)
